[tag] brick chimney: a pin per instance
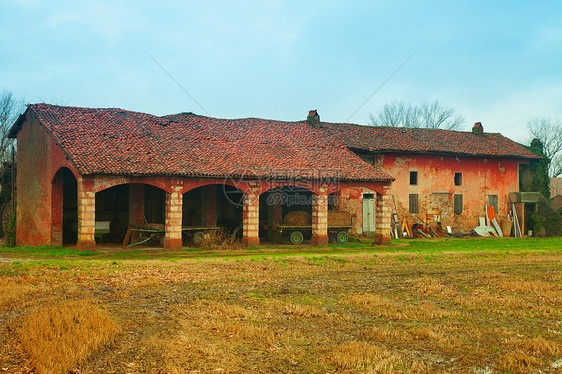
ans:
(478, 129)
(313, 118)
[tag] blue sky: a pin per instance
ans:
(496, 62)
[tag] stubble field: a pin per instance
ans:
(454, 306)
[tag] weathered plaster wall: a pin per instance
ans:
(481, 177)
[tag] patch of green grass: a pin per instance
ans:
(46, 251)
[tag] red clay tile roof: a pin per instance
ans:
(120, 142)
(400, 139)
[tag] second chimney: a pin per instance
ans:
(313, 118)
(478, 129)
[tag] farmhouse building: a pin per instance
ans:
(443, 175)
(77, 166)
(80, 166)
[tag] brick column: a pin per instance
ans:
(320, 218)
(136, 204)
(86, 215)
(210, 205)
(274, 216)
(174, 205)
(382, 226)
(251, 217)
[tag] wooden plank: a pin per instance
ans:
(127, 237)
(496, 225)
(424, 234)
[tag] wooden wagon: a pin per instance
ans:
(296, 225)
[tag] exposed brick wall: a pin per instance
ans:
(320, 218)
(382, 231)
(86, 214)
(174, 204)
(250, 218)
(38, 159)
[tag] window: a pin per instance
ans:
(458, 179)
(414, 207)
(458, 204)
(493, 201)
(413, 178)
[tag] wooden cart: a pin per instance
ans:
(196, 235)
(339, 224)
(144, 234)
(295, 234)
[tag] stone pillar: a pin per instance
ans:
(383, 218)
(251, 217)
(86, 215)
(57, 209)
(320, 218)
(210, 205)
(174, 205)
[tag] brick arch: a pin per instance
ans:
(201, 183)
(66, 165)
(118, 182)
(289, 184)
(57, 198)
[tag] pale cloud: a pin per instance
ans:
(109, 20)
(548, 36)
(510, 115)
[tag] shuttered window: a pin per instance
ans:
(414, 207)
(458, 204)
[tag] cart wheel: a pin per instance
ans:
(341, 237)
(296, 237)
(198, 237)
(285, 238)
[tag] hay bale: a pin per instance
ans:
(339, 218)
(297, 218)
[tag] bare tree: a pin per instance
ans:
(429, 115)
(10, 109)
(397, 114)
(549, 132)
(435, 115)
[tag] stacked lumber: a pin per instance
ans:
(339, 218)
(297, 218)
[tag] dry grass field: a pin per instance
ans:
(469, 306)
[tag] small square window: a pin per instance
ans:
(414, 178)
(458, 204)
(458, 179)
(493, 201)
(414, 207)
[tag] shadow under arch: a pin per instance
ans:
(276, 203)
(64, 207)
(213, 205)
(128, 205)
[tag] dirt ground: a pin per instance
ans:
(365, 312)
